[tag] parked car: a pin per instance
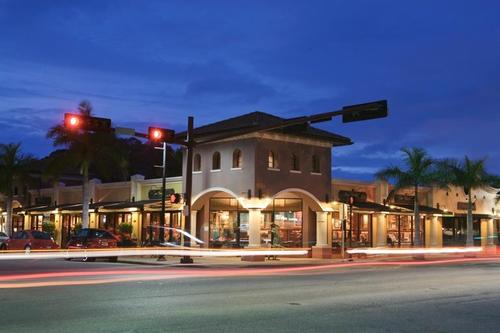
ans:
(3, 241)
(89, 238)
(31, 240)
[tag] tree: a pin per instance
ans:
(14, 170)
(468, 175)
(419, 171)
(86, 150)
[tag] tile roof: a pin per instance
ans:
(259, 121)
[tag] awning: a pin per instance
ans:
(424, 209)
(376, 207)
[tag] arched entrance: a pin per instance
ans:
(221, 220)
(295, 213)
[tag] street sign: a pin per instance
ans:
(366, 111)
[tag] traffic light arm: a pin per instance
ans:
(351, 113)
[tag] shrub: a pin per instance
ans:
(49, 227)
(125, 228)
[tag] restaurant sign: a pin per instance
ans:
(465, 205)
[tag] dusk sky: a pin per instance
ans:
(156, 62)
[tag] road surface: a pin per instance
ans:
(461, 297)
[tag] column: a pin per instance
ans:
(381, 229)
(435, 232)
(321, 249)
(58, 229)
(194, 215)
(135, 187)
(254, 218)
(425, 225)
(484, 232)
(93, 223)
(136, 227)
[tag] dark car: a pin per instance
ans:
(31, 240)
(3, 241)
(89, 238)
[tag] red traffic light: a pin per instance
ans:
(161, 134)
(72, 121)
(75, 121)
(175, 198)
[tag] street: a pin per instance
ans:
(436, 298)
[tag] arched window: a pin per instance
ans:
(237, 159)
(315, 164)
(272, 161)
(197, 162)
(216, 161)
(295, 163)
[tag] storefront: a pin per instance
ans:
(151, 226)
(287, 216)
(228, 223)
(69, 222)
(400, 230)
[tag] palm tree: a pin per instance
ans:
(85, 151)
(14, 169)
(419, 171)
(469, 175)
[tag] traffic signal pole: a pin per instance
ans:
(189, 186)
(163, 192)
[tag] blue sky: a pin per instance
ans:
(156, 62)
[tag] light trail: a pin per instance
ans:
(125, 275)
(445, 250)
(120, 252)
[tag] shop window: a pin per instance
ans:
(228, 223)
(197, 162)
(216, 161)
(295, 164)
(272, 161)
(237, 159)
(315, 164)
(282, 223)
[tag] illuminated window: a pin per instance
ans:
(197, 162)
(216, 161)
(272, 160)
(237, 159)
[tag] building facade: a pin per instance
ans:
(254, 188)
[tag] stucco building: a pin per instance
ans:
(253, 187)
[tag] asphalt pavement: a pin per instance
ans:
(459, 297)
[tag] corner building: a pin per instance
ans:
(255, 187)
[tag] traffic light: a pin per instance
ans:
(364, 111)
(158, 134)
(175, 198)
(74, 121)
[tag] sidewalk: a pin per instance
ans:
(236, 262)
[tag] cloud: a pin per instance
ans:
(381, 155)
(356, 169)
(350, 150)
